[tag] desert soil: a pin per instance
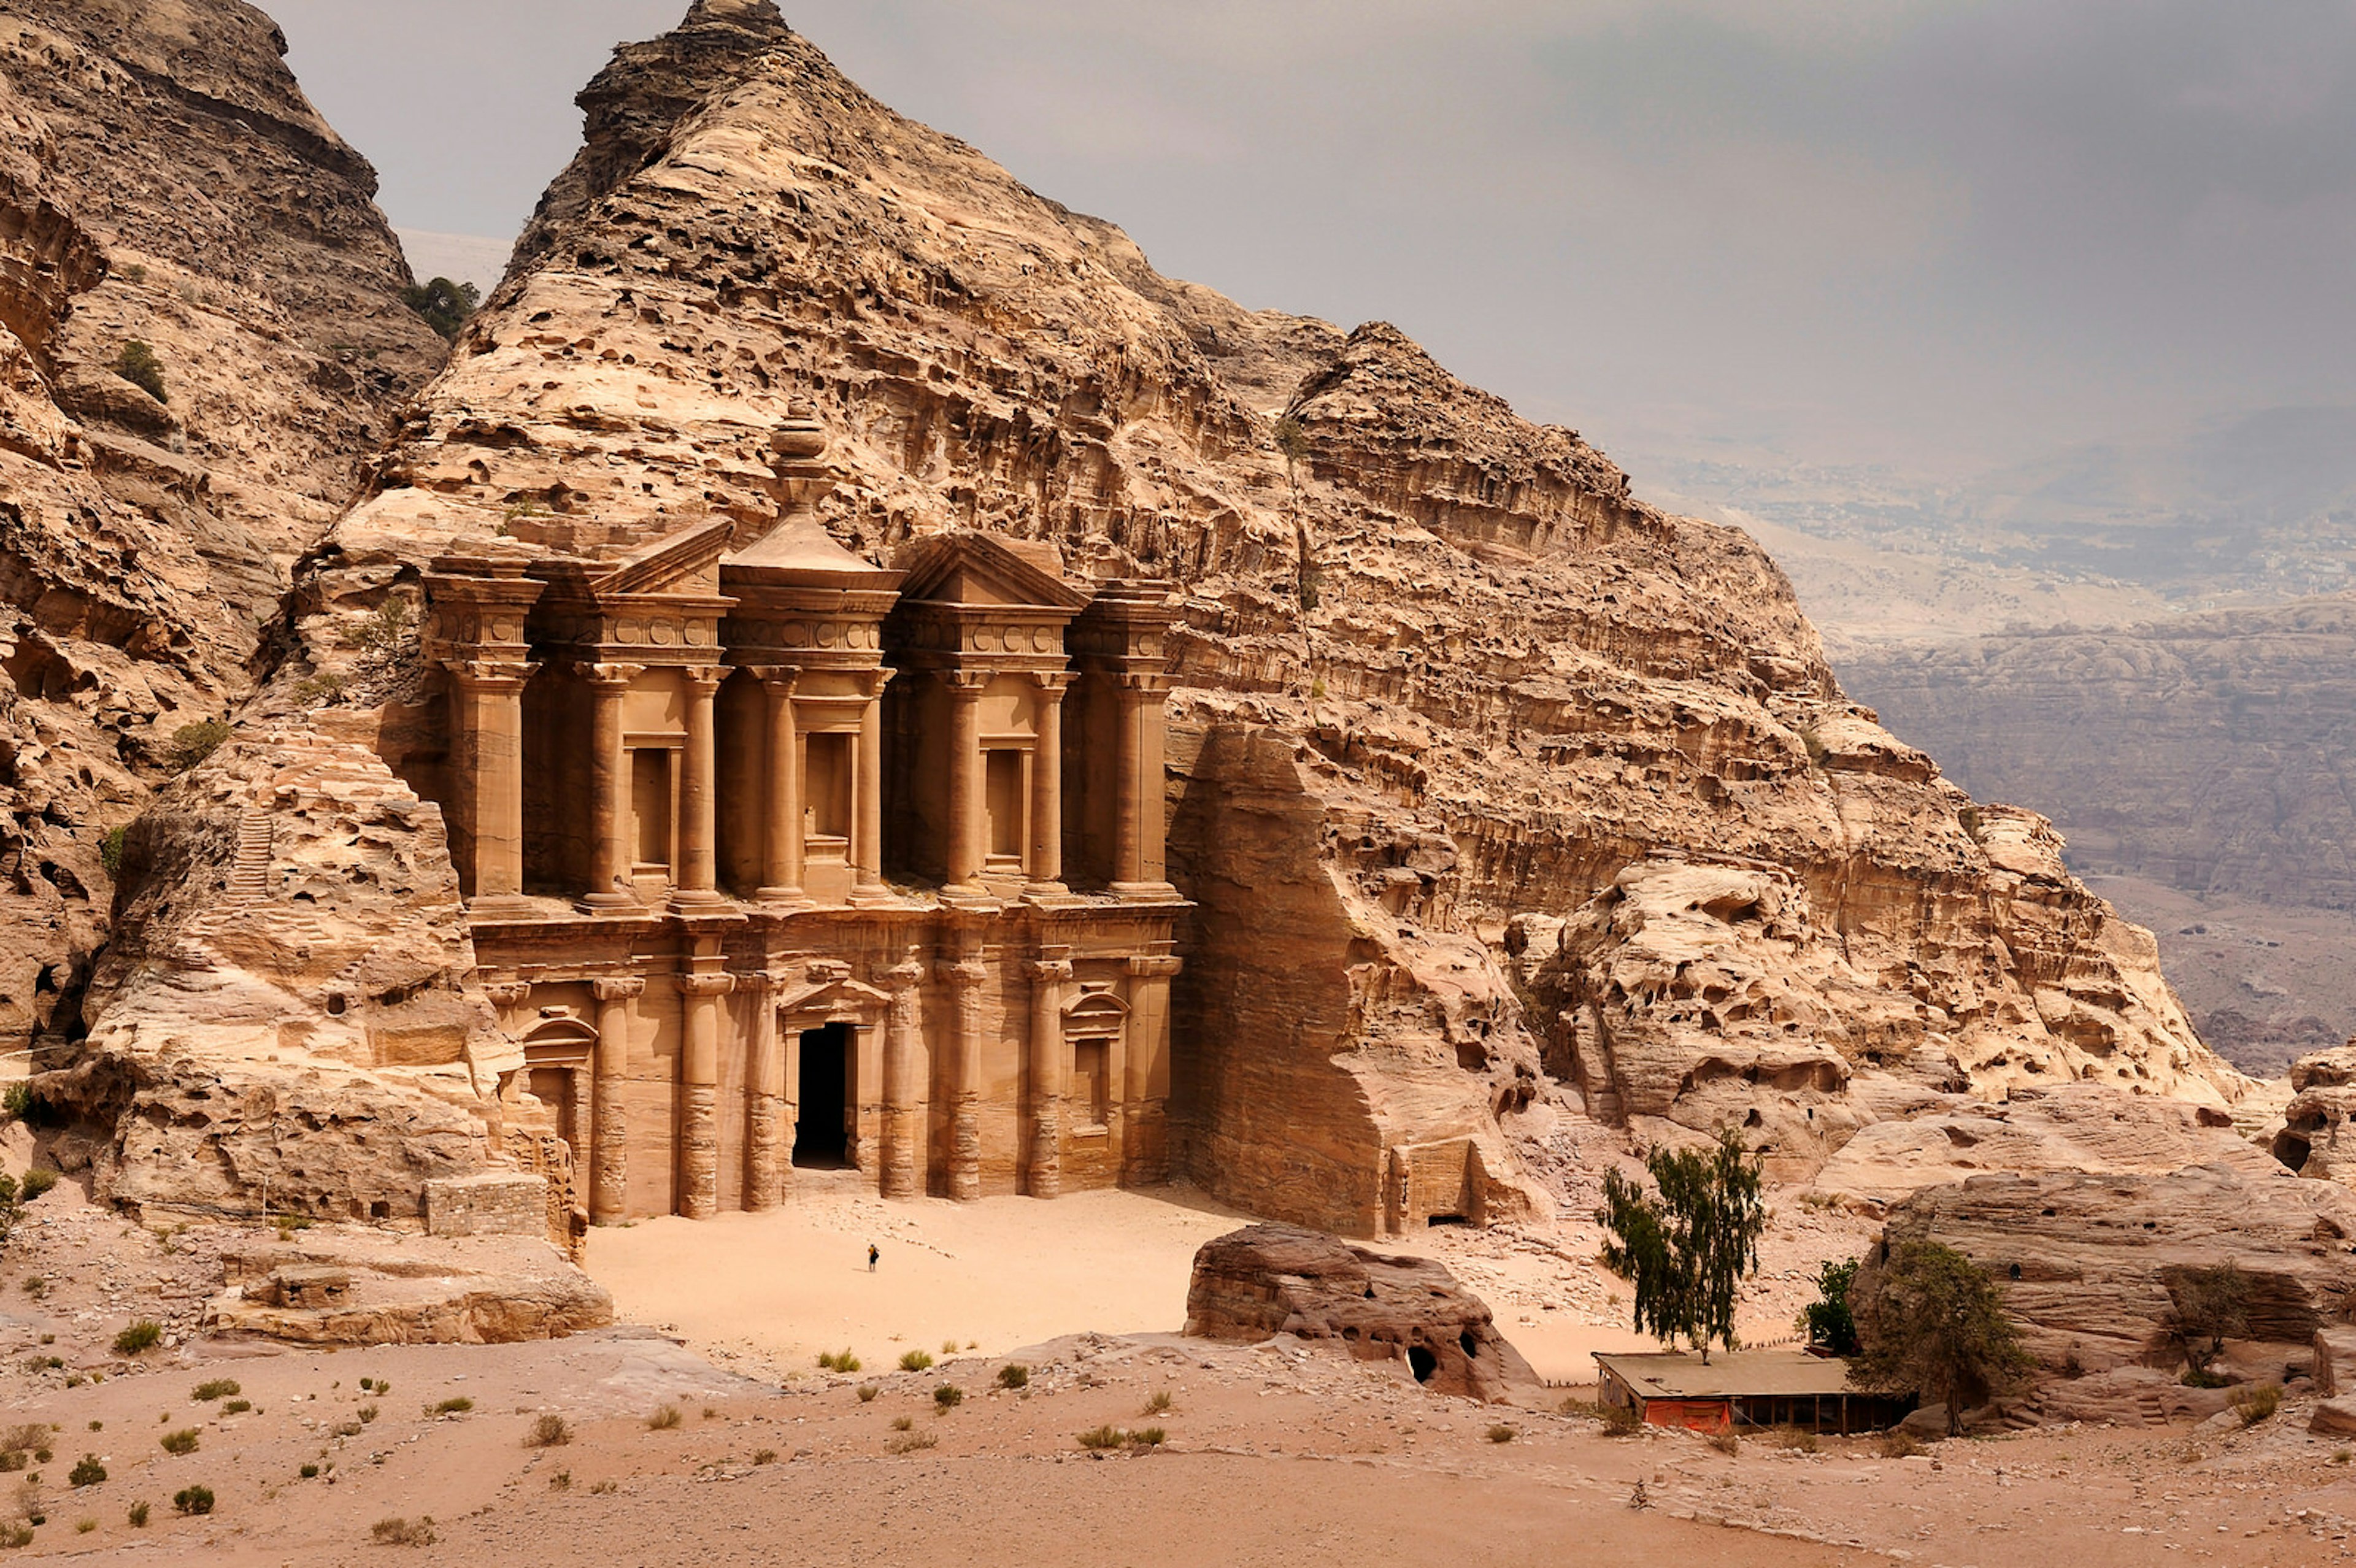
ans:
(1269, 1453)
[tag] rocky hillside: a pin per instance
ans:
(162, 181)
(1498, 788)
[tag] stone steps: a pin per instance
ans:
(248, 878)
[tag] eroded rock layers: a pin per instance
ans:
(1484, 773)
(162, 183)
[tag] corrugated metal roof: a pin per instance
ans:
(1740, 1374)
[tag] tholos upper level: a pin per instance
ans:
(792, 724)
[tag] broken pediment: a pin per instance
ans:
(970, 568)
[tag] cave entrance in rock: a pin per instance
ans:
(1421, 1362)
(821, 1127)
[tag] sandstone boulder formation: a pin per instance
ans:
(2087, 1261)
(162, 181)
(1443, 682)
(365, 1287)
(1265, 1280)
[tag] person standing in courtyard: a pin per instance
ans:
(872, 1255)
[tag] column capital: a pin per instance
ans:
(963, 973)
(618, 988)
(1136, 686)
(703, 680)
(1158, 966)
(901, 978)
(1048, 971)
(780, 678)
(1053, 682)
(507, 993)
(616, 675)
(705, 985)
(489, 675)
(871, 682)
(965, 682)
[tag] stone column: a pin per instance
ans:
(1145, 1085)
(1139, 850)
(781, 876)
(867, 819)
(609, 1120)
(698, 881)
(578, 1090)
(609, 789)
(901, 1173)
(767, 1126)
(964, 979)
(489, 747)
(699, 1121)
(1047, 788)
(966, 847)
(1050, 1061)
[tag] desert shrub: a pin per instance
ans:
(366, 1413)
(1796, 1438)
(1013, 1374)
(192, 743)
(87, 1472)
(838, 1361)
(193, 1500)
(948, 1396)
(663, 1420)
(237, 1407)
(387, 628)
(1896, 1443)
(138, 1516)
(216, 1388)
(15, 1535)
(137, 363)
(346, 1429)
(441, 304)
(1620, 1421)
(1151, 1437)
(399, 1531)
(915, 1361)
(17, 1101)
(2206, 1308)
(2343, 1456)
(1931, 1322)
(1160, 1403)
(1103, 1437)
(109, 851)
(765, 1455)
(183, 1441)
(1826, 1320)
(1726, 1441)
(366, 1383)
(561, 1482)
(37, 1181)
(309, 1472)
(2258, 1402)
(948, 1347)
(1502, 1433)
(457, 1405)
(902, 1422)
(1817, 749)
(548, 1432)
(84, 1526)
(2204, 1380)
(140, 1337)
(24, 1436)
(909, 1442)
(867, 1393)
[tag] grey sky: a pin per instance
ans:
(1936, 232)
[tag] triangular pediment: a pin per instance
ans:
(686, 564)
(833, 996)
(802, 553)
(974, 568)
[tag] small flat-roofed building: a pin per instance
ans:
(1744, 1388)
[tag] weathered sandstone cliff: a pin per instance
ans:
(163, 180)
(1487, 779)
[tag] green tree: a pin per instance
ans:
(137, 363)
(1827, 1321)
(1686, 1247)
(1931, 1322)
(443, 306)
(2207, 1306)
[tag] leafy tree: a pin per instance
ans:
(137, 363)
(1687, 1246)
(2207, 1306)
(1930, 1321)
(443, 306)
(1826, 1320)
(1292, 440)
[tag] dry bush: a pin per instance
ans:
(1726, 1441)
(399, 1531)
(910, 1441)
(2256, 1404)
(663, 1420)
(1897, 1444)
(548, 1432)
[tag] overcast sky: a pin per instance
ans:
(1940, 233)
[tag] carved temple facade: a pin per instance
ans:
(778, 861)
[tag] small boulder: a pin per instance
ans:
(2335, 1359)
(2334, 1418)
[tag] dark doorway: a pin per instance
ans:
(820, 1139)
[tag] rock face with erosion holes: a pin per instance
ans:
(1265, 1280)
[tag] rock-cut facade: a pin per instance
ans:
(780, 861)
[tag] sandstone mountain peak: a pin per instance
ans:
(1505, 803)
